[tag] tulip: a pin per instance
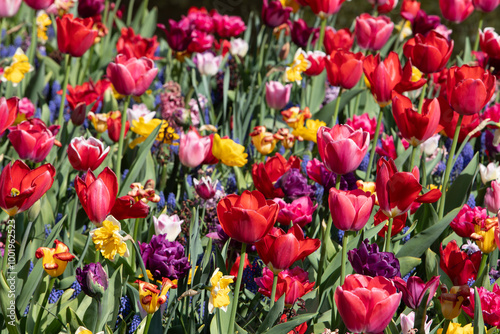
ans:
(75, 35)
(489, 41)
(317, 172)
(32, 139)
(365, 123)
(265, 175)
(39, 4)
(84, 154)
(414, 290)
(168, 226)
(200, 42)
(409, 9)
(127, 207)
(97, 195)
(465, 221)
(263, 141)
(367, 304)
(373, 32)
(132, 45)
(21, 187)
(340, 39)
(486, 5)
(131, 76)
(489, 173)
(9, 8)
(301, 33)
(344, 68)
(423, 23)
(317, 61)
(207, 63)
(325, 8)
(382, 76)
(228, 152)
(201, 19)
(228, 26)
(79, 114)
(205, 188)
(299, 212)
(193, 148)
(279, 250)
(90, 8)
(456, 10)
(247, 218)
(415, 126)
(429, 53)
(150, 297)
(484, 235)
(490, 301)
(368, 260)
(294, 184)
(93, 280)
(239, 47)
(8, 112)
(385, 6)
(277, 94)
(341, 148)
(179, 35)
(492, 197)
(451, 302)
(55, 259)
(274, 14)
(459, 266)
(408, 323)
(114, 123)
(350, 210)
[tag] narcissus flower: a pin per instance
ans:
(456, 328)
(18, 68)
(219, 291)
(55, 259)
(150, 297)
(229, 152)
(108, 240)
(144, 129)
(300, 64)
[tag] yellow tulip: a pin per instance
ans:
(150, 297)
(263, 141)
(455, 328)
(485, 238)
(229, 152)
(55, 259)
(310, 131)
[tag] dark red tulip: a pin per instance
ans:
(423, 23)
(274, 14)
(8, 112)
(178, 36)
(127, 207)
(301, 33)
(459, 266)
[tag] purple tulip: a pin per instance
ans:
(277, 95)
(179, 35)
(301, 33)
(273, 14)
(131, 76)
(9, 8)
(93, 280)
(424, 23)
(367, 260)
(414, 290)
(294, 184)
(90, 8)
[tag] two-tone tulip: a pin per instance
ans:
(84, 154)
(55, 259)
(131, 76)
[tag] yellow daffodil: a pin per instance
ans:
(229, 152)
(55, 259)
(294, 5)
(219, 291)
(404, 27)
(455, 328)
(99, 121)
(19, 67)
(166, 135)
(300, 64)
(263, 141)
(42, 22)
(309, 132)
(108, 239)
(150, 297)
(83, 330)
(295, 117)
(485, 237)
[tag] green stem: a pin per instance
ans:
(446, 325)
(424, 171)
(476, 42)
(337, 107)
(148, 323)
(388, 237)
(232, 319)
(273, 291)
(338, 179)
(60, 119)
(85, 249)
(34, 40)
(42, 306)
(345, 240)
(6, 252)
(414, 151)
(120, 141)
(374, 145)
(449, 165)
(96, 328)
(322, 259)
(141, 262)
(87, 66)
(73, 224)
(321, 34)
(422, 99)
(134, 236)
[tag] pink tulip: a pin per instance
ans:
(350, 210)
(341, 148)
(367, 304)
(39, 4)
(32, 139)
(207, 63)
(489, 41)
(277, 95)
(486, 5)
(373, 32)
(299, 212)
(193, 148)
(8, 112)
(84, 154)
(9, 8)
(365, 123)
(492, 197)
(131, 76)
(456, 10)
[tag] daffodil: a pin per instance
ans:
(456, 328)
(309, 132)
(229, 152)
(219, 291)
(485, 236)
(300, 64)
(19, 67)
(108, 239)
(83, 330)
(99, 121)
(150, 297)
(55, 259)
(166, 135)
(263, 141)
(42, 22)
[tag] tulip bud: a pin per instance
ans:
(79, 114)
(492, 197)
(93, 280)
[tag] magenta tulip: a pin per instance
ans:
(131, 76)
(486, 5)
(39, 4)
(489, 41)
(274, 13)
(415, 288)
(277, 94)
(350, 210)
(32, 139)
(193, 148)
(373, 32)
(456, 10)
(492, 197)
(84, 154)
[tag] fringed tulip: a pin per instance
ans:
(93, 280)
(490, 305)
(344, 68)
(75, 35)
(228, 26)
(84, 154)
(456, 10)
(350, 210)
(131, 76)
(373, 32)
(460, 267)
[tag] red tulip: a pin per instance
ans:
(397, 191)
(127, 207)
(279, 250)
(132, 45)
(114, 126)
(410, 81)
(266, 174)
(409, 9)
(489, 41)
(88, 92)
(429, 53)
(398, 223)
(236, 266)
(469, 89)
(344, 68)
(387, 7)
(414, 290)
(21, 187)
(350, 210)
(373, 32)
(414, 126)
(367, 304)
(32, 139)
(317, 60)
(382, 76)
(97, 195)
(75, 35)
(131, 76)
(340, 39)
(325, 8)
(456, 10)
(39, 4)
(486, 5)
(84, 154)
(341, 148)
(459, 266)
(247, 218)
(8, 112)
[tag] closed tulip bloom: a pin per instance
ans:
(414, 290)
(247, 218)
(8, 112)
(489, 41)
(131, 76)
(168, 226)
(277, 94)
(55, 259)
(350, 210)
(456, 10)
(9, 8)
(490, 172)
(317, 61)
(21, 187)
(265, 175)
(383, 76)
(387, 6)
(84, 154)
(368, 260)
(39, 4)
(299, 212)
(239, 47)
(414, 126)
(341, 148)
(344, 68)
(274, 14)
(340, 39)
(492, 197)
(114, 125)
(32, 139)
(325, 8)
(469, 89)
(409, 9)
(75, 35)
(429, 53)
(301, 33)
(193, 148)
(90, 8)
(178, 36)
(97, 195)
(93, 279)
(373, 32)
(486, 5)
(279, 250)
(367, 304)
(458, 265)
(205, 188)
(207, 63)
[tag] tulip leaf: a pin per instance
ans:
(478, 314)
(149, 24)
(402, 158)
(6, 302)
(407, 263)
(290, 325)
(73, 320)
(417, 245)
(111, 298)
(317, 92)
(30, 286)
(272, 315)
(458, 193)
(36, 84)
(431, 264)
(326, 113)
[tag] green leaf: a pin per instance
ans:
(326, 113)
(407, 263)
(30, 286)
(290, 325)
(272, 315)
(478, 314)
(7, 302)
(402, 158)
(148, 27)
(458, 194)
